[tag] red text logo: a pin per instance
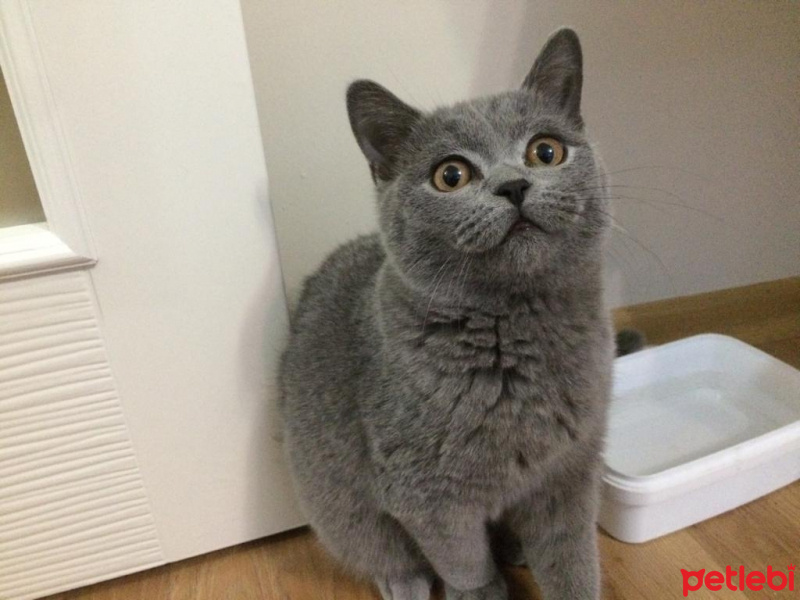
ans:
(773, 579)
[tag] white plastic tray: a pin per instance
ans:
(696, 427)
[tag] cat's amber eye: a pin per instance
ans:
(545, 152)
(451, 175)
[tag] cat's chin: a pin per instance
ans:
(526, 237)
(524, 251)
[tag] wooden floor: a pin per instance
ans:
(291, 566)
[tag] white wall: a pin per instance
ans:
(707, 92)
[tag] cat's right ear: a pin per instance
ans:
(381, 122)
(557, 75)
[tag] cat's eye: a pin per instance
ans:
(451, 175)
(545, 152)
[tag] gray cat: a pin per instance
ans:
(445, 387)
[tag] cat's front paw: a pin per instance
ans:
(494, 590)
(413, 588)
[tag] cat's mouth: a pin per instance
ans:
(524, 225)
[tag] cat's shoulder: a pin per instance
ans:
(344, 272)
(365, 251)
(350, 263)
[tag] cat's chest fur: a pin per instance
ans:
(484, 400)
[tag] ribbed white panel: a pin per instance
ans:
(73, 509)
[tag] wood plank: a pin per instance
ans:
(756, 314)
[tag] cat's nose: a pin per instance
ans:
(513, 190)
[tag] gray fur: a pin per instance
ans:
(445, 386)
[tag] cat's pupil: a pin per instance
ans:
(451, 175)
(545, 153)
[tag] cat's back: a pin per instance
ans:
(327, 341)
(339, 281)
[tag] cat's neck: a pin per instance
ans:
(452, 299)
(457, 335)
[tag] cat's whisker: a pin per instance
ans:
(463, 284)
(616, 226)
(415, 264)
(619, 197)
(653, 203)
(461, 272)
(561, 207)
(616, 259)
(455, 280)
(646, 168)
(619, 227)
(649, 203)
(651, 200)
(438, 281)
(630, 258)
(624, 264)
(694, 209)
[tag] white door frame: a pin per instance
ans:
(63, 242)
(151, 361)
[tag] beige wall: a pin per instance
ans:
(707, 93)
(19, 200)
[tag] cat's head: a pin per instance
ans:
(507, 185)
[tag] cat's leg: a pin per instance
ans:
(559, 537)
(569, 567)
(404, 574)
(374, 544)
(458, 548)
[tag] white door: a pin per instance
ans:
(140, 327)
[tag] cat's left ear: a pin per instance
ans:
(557, 75)
(381, 123)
